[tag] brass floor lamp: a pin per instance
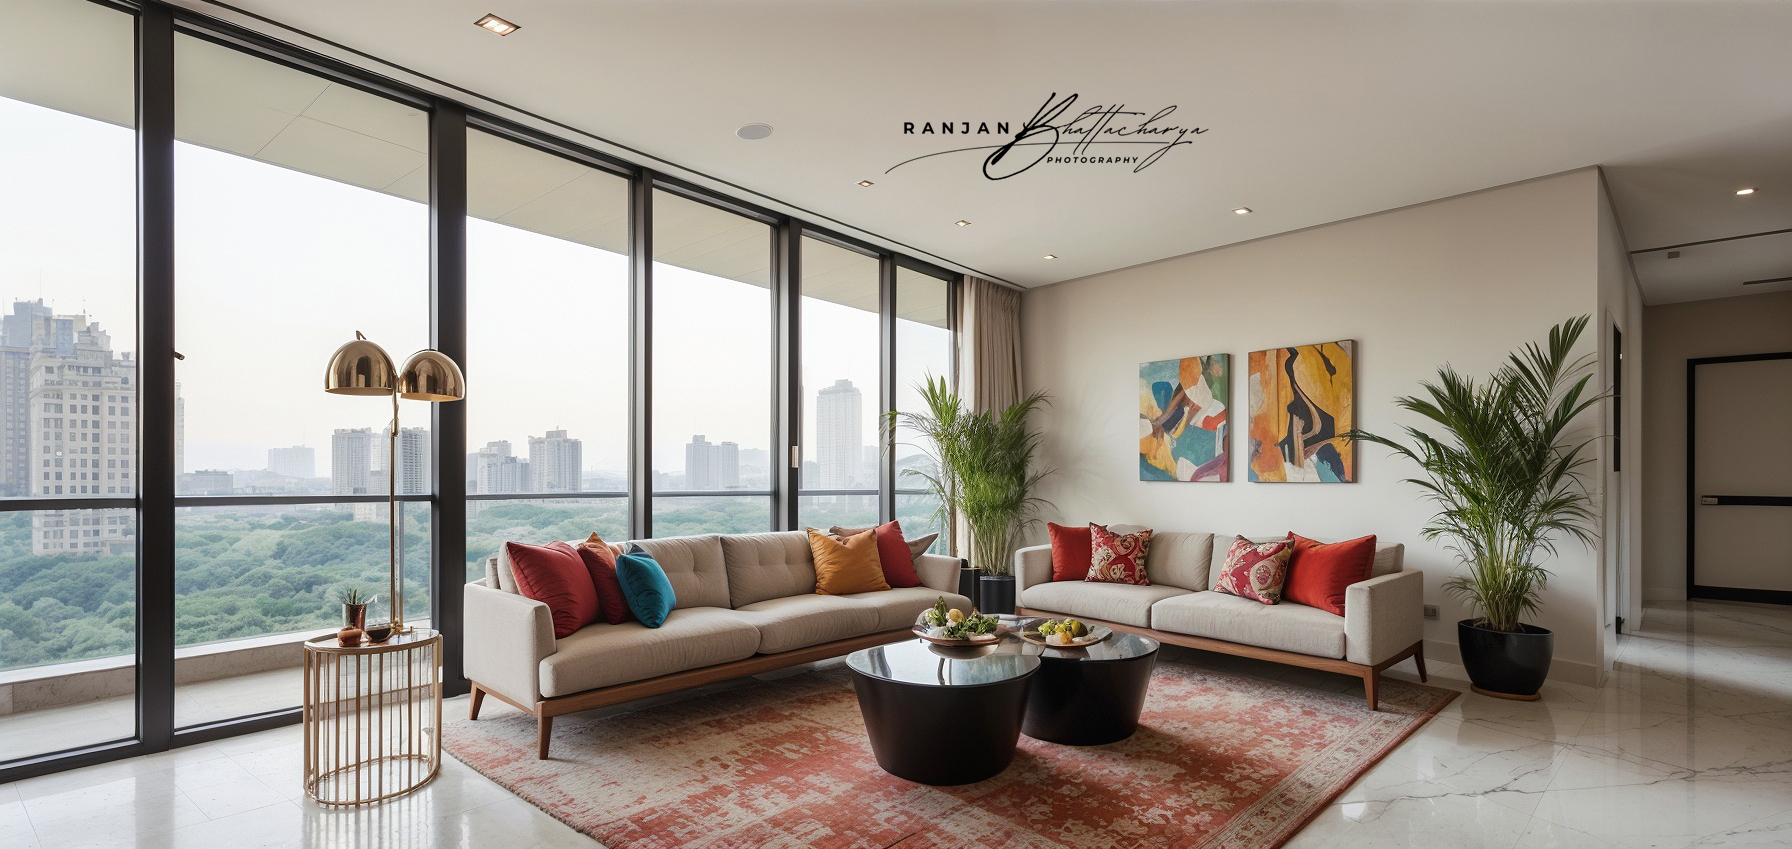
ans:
(361, 367)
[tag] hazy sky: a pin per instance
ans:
(276, 268)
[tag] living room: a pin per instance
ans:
(762, 475)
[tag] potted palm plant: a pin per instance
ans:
(985, 474)
(1504, 469)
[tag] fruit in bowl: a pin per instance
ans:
(942, 622)
(1062, 632)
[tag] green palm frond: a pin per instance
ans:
(984, 467)
(1504, 470)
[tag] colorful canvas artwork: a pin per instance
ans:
(1301, 405)
(1182, 419)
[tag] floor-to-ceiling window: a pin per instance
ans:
(924, 347)
(299, 212)
(68, 394)
(547, 348)
(841, 345)
(713, 463)
(301, 218)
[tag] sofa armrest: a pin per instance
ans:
(1032, 565)
(938, 572)
(1383, 616)
(507, 635)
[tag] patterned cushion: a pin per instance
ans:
(1256, 570)
(1118, 558)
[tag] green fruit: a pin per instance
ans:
(1078, 629)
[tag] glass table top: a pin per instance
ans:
(922, 663)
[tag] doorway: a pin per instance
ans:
(1739, 477)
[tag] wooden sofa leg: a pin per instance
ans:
(544, 728)
(1371, 680)
(473, 704)
(1418, 657)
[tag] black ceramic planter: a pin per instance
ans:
(967, 583)
(995, 594)
(1506, 664)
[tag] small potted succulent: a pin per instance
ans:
(354, 609)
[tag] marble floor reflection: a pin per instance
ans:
(1689, 744)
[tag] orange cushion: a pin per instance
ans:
(843, 568)
(1319, 571)
(1071, 548)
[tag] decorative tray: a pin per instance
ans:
(1096, 634)
(978, 640)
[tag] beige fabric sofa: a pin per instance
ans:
(1383, 621)
(746, 604)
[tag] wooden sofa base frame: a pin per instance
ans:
(545, 710)
(1371, 675)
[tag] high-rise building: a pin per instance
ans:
(351, 461)
(839, 442)
(556, 462)
(299, 461)
(206, 482)
(699, 464)
(413, 463)
(726, 464)
(496, 470)
(68, 426)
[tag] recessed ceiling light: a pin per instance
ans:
(964, 223)
(1051, 256)
(1243, 210)
(1745, 191)
(497, 25)
(866, 183)
(754, 132)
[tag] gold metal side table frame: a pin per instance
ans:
(373, 717)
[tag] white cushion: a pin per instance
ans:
(1286, 626)
(766, 566)
(1179, 559)
(1126, 604)
(807, 620)
(900, 607)
(602, 655)
(694, 566)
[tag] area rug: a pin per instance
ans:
(1220, 760)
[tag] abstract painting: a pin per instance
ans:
(1182, 419)
(1301, 404)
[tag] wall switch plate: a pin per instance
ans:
(1430, 611)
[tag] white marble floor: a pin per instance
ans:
(1689, 744)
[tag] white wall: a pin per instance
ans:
(1461, 281)
(1620, 546)
(1752, 324)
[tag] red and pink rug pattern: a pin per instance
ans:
(1220, 760)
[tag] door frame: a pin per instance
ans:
(1693, 589)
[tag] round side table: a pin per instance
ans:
(373, 717)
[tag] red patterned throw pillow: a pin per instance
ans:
(1256, 570)
(1117, 558)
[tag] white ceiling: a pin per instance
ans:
(1316, 111)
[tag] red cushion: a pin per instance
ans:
(894, 556)
(600, 562)
(1070, 551)
(555, 575)
(1320, 571)
(1118, 558)
(1256, 570)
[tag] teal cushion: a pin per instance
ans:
(644, 587)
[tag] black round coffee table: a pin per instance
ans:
(939, 715)
(1091, 695)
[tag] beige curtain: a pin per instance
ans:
(988, 361)
(988, 344)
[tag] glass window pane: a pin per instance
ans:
(68, 388)
(68, 613)
(848, 511)
(677, 516)
(300, 219)
(923, 349)
(840, 342)
(712, 350)
(490, 524)
(546, 236)
(251, 582)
